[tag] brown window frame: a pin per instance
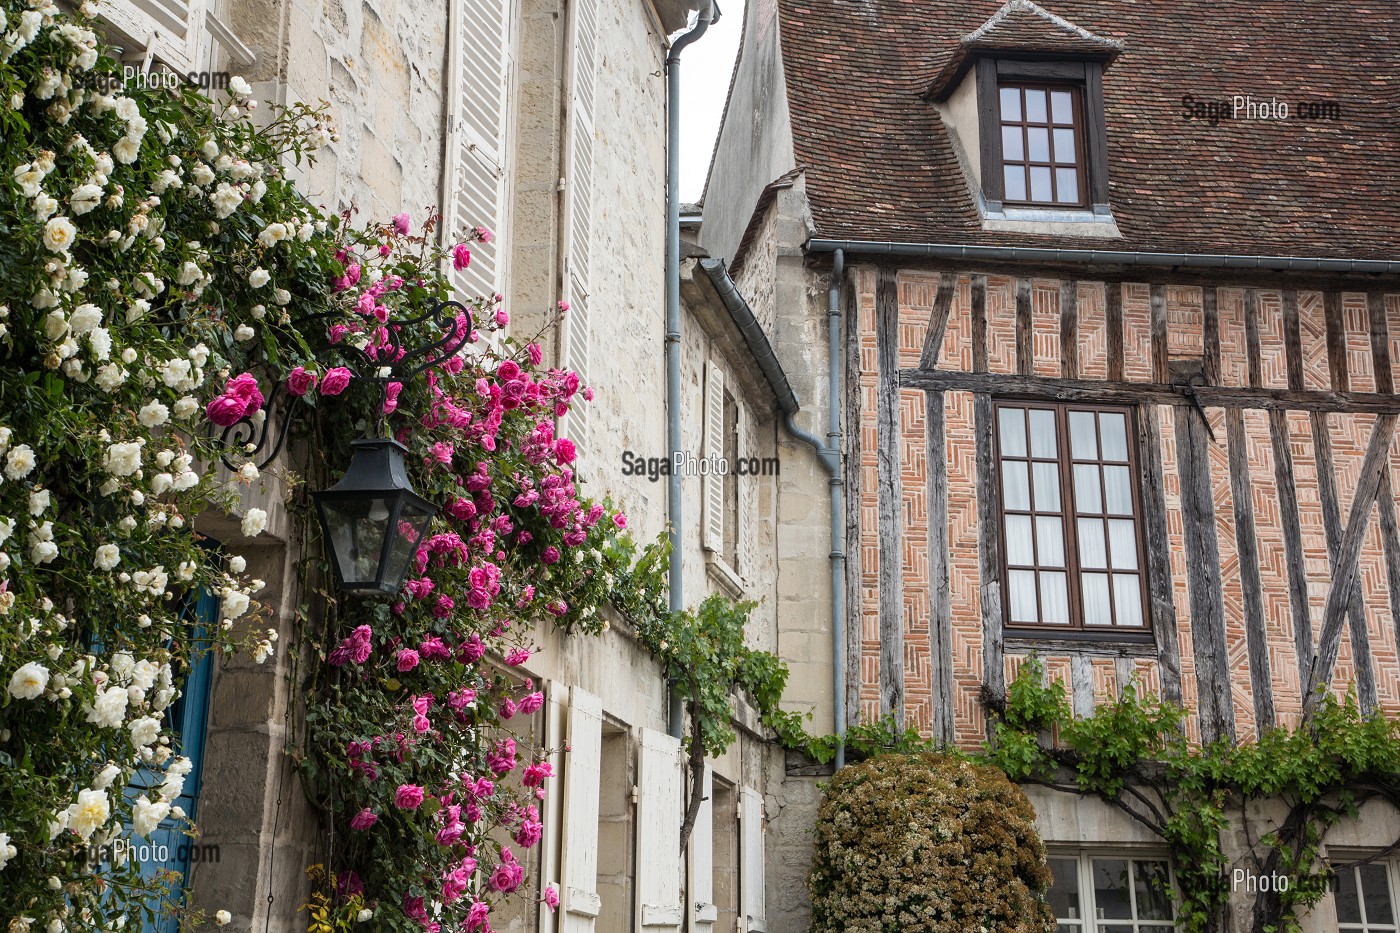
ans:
(1069, 515)
(1077, 125)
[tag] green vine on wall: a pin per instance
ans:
(1132, 753)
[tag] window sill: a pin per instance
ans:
(719, 570)
(1122, 643)
(1081, 222)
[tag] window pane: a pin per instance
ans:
(1021, 583)
(1040, 183)
(1064, 888)
(1015, 179)
(1091, 544)
(1016, 486)
(1088, 498)
(1013, 431)
(1054, 598)
(1127, 599)
(1010, 103)
(1152, 882)
(1122, 543)
(1050, 541)
(1375, 888)
(1096, 607)
(1066, 186)
(1062, 106)
(1038, 143)
(1118, 491)
(1065, 150)
(1035, 105)
(1113, 429)
(1013, 145)
(1111, 889)
(1047, 486)
(1081, 435)
(1019, 552)
(1043, 442)
(1347, 898)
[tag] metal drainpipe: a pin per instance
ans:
(673, 319)
(829, 454)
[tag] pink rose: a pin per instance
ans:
(335, 381)
(484, 235)
(564, 450)
(507, 877)
(620, 520)
(550, 555)
(391, 397)
(551, 898)
(401, 224)
(408, 797)
(245, 387)
(299, 381)
(408, 660)
(477, 917)
(364, 819)
(225, 410)
(461, 256)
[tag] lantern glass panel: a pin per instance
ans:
(357, 526)
(413, 519)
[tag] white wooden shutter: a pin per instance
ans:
(749, 487)
(172, 31)
(754, 902)
(556, 737)
(658, 831)
(582, 775)
(474, 171)
(712, 484)
(575, 350)
(702, 859)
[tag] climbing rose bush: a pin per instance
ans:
(163, 283)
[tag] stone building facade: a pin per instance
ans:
(1123, 400)
(545, 122)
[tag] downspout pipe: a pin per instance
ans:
(707, 15)
(828, 452)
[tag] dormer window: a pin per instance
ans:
(1023, 99)
(1042, 134)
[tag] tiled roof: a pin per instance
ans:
(1020, 24)
(880, 165)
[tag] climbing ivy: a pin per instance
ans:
(1133, 754)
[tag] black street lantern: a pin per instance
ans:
(372, 519)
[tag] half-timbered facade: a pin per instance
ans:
(1116, 371)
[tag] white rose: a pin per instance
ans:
(146, 816)
(258, 278)
(109, 709)
(84, 318)
(243, 333)
(19, 462)
(153, 414)
(236, 563)
(223, 916)
(85, 198)
(254, 521)
(7, 528)
(364, 914)
(123, 459)
(126, 150)
(38, 501)
(44, 206)
(239, 86)
(108, 556)
(110, 376)
(281, 296)
(106, 776)
(235, 604)
(101, 342)
(7, 851)
(89, 813)
(144, 731)
(59, 234)
(184, 407)
(29, 681)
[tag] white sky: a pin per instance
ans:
(705, 70)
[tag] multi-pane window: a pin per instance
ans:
(1364, 899)
(1042, 149)
(1071, 528)
(1110, 894)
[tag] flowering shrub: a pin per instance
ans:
(927, 843)
(159, 286)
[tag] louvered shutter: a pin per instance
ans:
(556, 737)
(754, 904)
(474, 163)
(658, 831)
(582, 770)
(578, 203)
(702, 859)
(749, 485)
(712, 484)
(170, 30)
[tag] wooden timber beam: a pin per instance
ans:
(1132, 393)
(889, 496)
